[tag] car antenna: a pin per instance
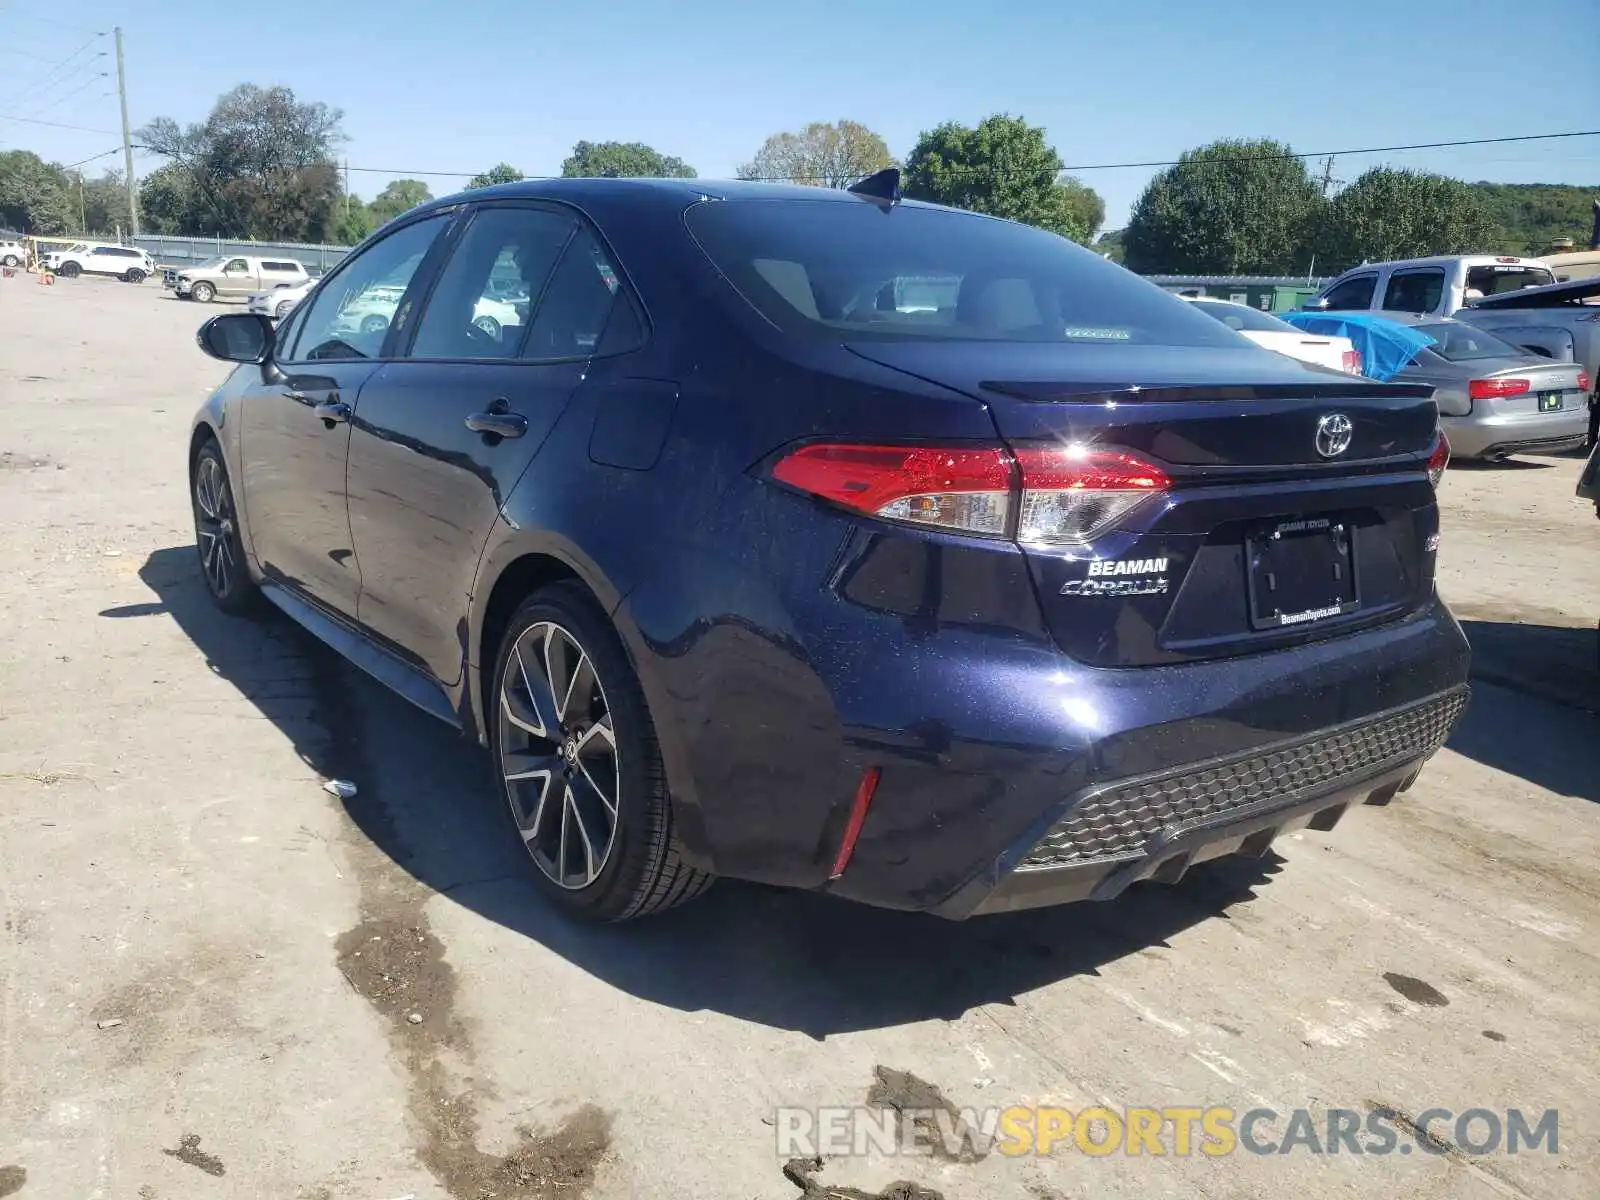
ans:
(883, 185)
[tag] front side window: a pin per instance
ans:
(825, 268)
(236, 266)
(474, 311)
(1352, 294)
(1416, 291)
(352, 311)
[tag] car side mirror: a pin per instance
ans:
(1317, 304)
(237, 338)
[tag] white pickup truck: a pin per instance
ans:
(1518, 299)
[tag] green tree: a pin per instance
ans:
(820, 155)
(165, 197)
(1525, 218)
(354, 222)
(103, 203)
(1232, 207)
(401, 195)
(1110, 244)
(623, 160)
(35, 196)
(260, 165)
(1391, 213)
(499, 173)
(1003, 167)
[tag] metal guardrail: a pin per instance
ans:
(180, 252)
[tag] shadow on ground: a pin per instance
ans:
(790, 960)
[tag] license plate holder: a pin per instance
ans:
(1551, 402)
(1300, 572)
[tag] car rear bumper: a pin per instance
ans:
(1499, 435)
(1158, 826)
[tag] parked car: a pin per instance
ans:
(1437, 286)
(127, 263)
(280, 301)
(1267, 331)
(235, 276)
(12, 254)
(738, 569)
(1495, 399)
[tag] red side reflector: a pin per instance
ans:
(858, 818)
(1489, 389)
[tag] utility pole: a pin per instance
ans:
(1327, 175)
(347, 189)
(127, 140)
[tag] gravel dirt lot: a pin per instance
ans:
(218, 980)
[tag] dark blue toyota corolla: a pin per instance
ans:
(834, 541)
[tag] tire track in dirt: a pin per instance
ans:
(393, 960)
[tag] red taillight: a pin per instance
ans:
(1511, 260)
(1583, 381)
(1061, 495)
(1351, 361)
(1489, 389)
(1439, 460)
(961, 488)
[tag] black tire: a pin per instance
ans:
(203, 292)
(70, 270)
(285, 307)
(11, 260)
(374, 323)
(133, 275)
(644, 871)
(216, 527)
(489, 325)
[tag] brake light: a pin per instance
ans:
(1351, 361)
(1439, 459)
(964, 489)
(1060, 495)
(1583, 381)
(1509, 260)
(1489, 389)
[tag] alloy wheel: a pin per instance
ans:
(558, 755)
(214, 526)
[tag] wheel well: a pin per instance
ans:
(520, 579)
(203, 433)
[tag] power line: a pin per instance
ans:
(40, 82)
(67, 95)
(93, 158)
(55, 124)
(12, 16)
(1494, 141)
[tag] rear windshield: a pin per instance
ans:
(1240, 316)
(1463, 343)
(911, 273)
(1506, 277)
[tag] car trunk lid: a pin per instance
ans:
(1297, 501)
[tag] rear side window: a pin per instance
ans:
(1355, 293)
(831, 267)
(1416, 291)
(576, 307)
(291, 268)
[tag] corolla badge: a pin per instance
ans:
(1334, 435)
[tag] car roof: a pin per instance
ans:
(679, 193)
(1444, 260)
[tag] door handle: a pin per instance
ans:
(332, 412)
(498, 424)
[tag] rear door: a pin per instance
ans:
(445, 432)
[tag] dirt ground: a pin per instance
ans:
(216, 979)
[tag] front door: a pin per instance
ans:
(239, 278)
(295, 439)
(444, 433)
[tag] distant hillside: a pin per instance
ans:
(1527, 216)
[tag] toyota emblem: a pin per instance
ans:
(1334, 434)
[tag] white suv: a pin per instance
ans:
(87, 258)
(12, 254)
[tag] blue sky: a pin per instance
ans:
(458, 87)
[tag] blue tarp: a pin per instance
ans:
(1386, 347)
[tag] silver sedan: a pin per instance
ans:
(1496, 399)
